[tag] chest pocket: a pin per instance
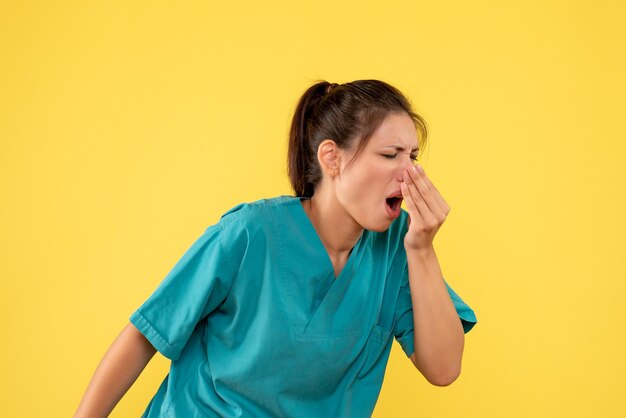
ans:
(330, 358)
(327, 359)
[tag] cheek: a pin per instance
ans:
(363, 181)
(366, 183)
(368, 186)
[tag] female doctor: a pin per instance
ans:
(288, 306)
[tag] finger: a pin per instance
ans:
(427, 210)
(426, 214)
(442, 203)
(427, 193)
(410, 205)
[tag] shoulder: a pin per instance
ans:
(250, 224)
(258, 218)
(255, 213)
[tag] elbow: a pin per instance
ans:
(443, 378)
(438, 371)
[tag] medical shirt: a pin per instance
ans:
(257, 325)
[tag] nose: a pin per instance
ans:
(405, 164)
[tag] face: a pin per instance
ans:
(363, 187)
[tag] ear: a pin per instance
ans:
(329, 157)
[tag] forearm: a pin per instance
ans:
(439, 337)
(119, 368)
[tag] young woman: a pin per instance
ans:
(288, 306)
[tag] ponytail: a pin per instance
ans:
(301, 157)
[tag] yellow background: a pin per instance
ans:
(127, 128)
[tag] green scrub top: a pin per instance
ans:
(256, 324)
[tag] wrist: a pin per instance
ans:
(421, 252)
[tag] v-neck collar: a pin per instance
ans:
(312, 232)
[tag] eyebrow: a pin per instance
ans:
(398, 148)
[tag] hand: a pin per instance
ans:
(427, 209)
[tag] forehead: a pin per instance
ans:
(397, 129)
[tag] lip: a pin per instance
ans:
(397, 193)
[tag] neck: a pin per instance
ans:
(338, 231)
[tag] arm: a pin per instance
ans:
(121, 365)
(438, 333)
(438, 337)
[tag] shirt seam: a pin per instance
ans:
(223, 248)
(166, 348)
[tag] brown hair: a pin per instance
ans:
(344, 113)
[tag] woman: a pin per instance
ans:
(287, 307)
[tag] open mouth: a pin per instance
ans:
(394, 204)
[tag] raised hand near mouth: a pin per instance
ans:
(427, 209)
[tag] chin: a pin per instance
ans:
(372, 223)
(378, 227)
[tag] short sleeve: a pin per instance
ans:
(403, 317)
(197, 284)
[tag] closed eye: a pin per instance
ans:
(392, 156)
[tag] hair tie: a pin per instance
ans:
(331, 87)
